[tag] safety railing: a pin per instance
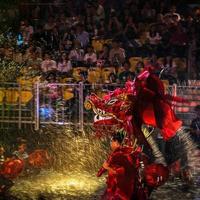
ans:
(63, 104)
(16, 103)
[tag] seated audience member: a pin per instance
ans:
(179, 37)
(34, 60)
(126, 74)
(48, 64)
(130, 30)
(81, 35)
(76, 55)
(153, 37)
(178, 42)
(148, 12)
(100, 13)
(64, 64)
(90, 57)
(114, 25)
(139, 67)
(173, 14)
(48, 28)
(27, 31)
(50, 24)
(67, 40)
(104, 54)
(117, 54)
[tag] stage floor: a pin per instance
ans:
(49, 185)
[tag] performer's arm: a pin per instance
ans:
(110, 169)
(118, 170)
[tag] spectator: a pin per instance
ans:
(50, 25)
(64, 64)
(104, 54)
(81, 35)
(100, 13)
(139, 67)
(179, 37)
(114, 26)
(62, 24)
(100, 29)
(154, 41)
(153, 36)
(34, 61)
(48, 29)
(130, 28)
(148, 13)
(117, 54)
(90, 57)
(160, 19)
(178, 42)
(126, 74)
(112, 78)
(67, 40)
(173, 15)
(27, 31)
(18, 57)
(55, 39)
(28, 53)
(48, 64)
(76, 55)
(103, 57)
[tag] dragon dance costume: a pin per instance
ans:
(141, 102)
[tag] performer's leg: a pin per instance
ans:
(182, 145)
(159, 158)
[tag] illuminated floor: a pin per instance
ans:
(56, 186)
(52, 185)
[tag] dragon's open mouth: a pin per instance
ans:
(103, 118)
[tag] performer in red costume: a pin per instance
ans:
(130, 176)
(123, 174)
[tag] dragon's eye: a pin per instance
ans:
(112, 101)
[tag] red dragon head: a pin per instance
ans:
(111, 111)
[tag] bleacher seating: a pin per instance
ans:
(94, 75)
(68, 93)
(11, 96)
(105, 73)
(2, 95)
(133, 61)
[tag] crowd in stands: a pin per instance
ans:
(103, 41)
